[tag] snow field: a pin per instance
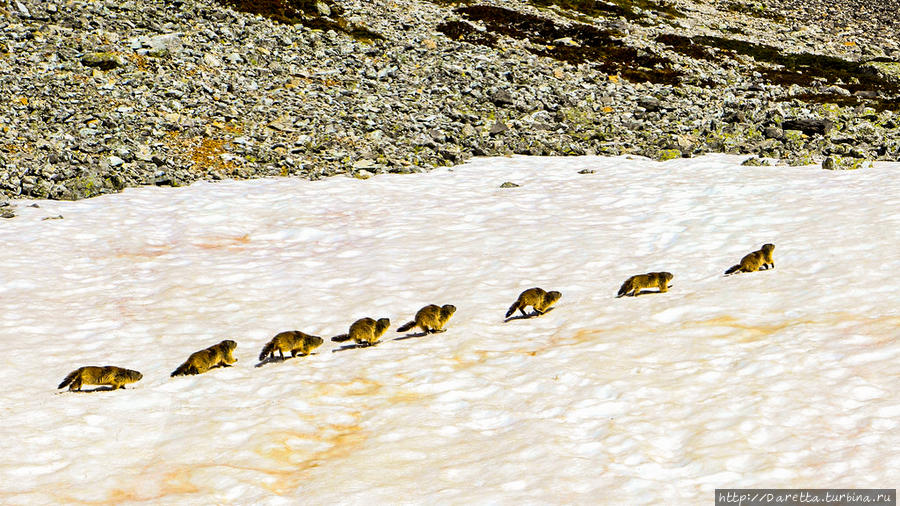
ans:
(782, 378)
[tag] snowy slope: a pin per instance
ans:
(782, 378)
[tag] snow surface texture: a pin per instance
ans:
(781, 378)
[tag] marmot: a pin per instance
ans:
(431, 318)
(536, 298)
(365, 331)
(116, 377)
(755, 261)
(293, 341)
(204, 360)
(635, 284)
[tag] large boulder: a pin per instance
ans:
(835, 162)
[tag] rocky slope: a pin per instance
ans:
(99, 95)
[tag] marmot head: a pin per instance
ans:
(552, 297)
(382, 324)
(131, 376)
(447, 310)
(314, 341)
(768, 248)
(228, 344)
(667, 276)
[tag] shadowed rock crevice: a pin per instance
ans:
(863, 79)
(576, 44)
(316, 14)
(632, 10)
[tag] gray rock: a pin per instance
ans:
(364, 164)
(498, 128)
(165, 44)
(836, 90)
(845, 163)
(502, 97)
(685, 143)
(23, 11)
(772, 132)
(754, 162)
(651, 104)
(212, 60)
(565, 41)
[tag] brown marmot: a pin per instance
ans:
(365, 331)
(116, 377)
(635, 284)
(755, 261)
(201, 361)
(431, 318)
(293, 341)
(536, 298)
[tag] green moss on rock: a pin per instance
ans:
(668, 154)
(82, 187)
(836, 162)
